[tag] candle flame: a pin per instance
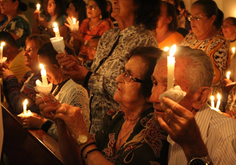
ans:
(212, 98)
(25, 102)
(41, 66)
(38, 6)
(74, 20)
(166, 49)
(54, 24)
(228, 75)
(2, 44)
(218, 96)
(233, 50)
(172, 50)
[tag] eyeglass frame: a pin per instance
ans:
(28, 50)
(130, 77)
(197, 18)
(227, 25)
(91, 7)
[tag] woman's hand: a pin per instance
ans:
(5, 71)
(43, 22)
(73, 118)
(73, 26)
(34, 121)
(47, 105)
(35, 14)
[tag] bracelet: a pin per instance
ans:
(82, 150)
(86, 155)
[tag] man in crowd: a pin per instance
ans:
(197, 134)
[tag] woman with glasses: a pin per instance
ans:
(56, 13)
(15, 92)
(16, 23)
(167, 24)
(129, 135)
(95, 25)
(204, 24)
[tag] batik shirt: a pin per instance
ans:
(217, 48)
(146, 144)
(102, 83)
(19, 26)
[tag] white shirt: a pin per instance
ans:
(218, 133)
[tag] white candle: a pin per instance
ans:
(212, 102)
(56, 30)
(1, 51)
(25, 106)
(166, 49)
(233, 50)
(74, 25)
(228, 75)
(38, 8)
(43, 75)
(218, 101)
(171, 67)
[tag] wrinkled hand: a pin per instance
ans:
(47, 105)
(34, 121)
(181, 125)
(73, 118)
(5, 71)
(71, 25)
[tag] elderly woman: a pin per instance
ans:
(126, 133)
(65, 90)
(204, 36)
(112, 54)
(16, 22)
(14, 92)
(166, 33)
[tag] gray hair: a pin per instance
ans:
(199, 71)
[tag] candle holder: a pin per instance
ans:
(45, 89)
(58, 44)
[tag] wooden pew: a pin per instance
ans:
(27, 147)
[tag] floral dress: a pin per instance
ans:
(146, 144)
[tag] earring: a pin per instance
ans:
(100, 16)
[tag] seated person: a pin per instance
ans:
(195, 130)
(65, 91)
(127, 133)
(15, 92)
(166, 34)
(15, 57)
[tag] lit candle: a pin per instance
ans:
(43, 75)
(228, 75)
(38, 8)
(1, 51)
(233, 50)
(171, 67)
(56, 30)
(218, 101)
(212, 102)
(166, 49)
(74, 25)
(25, 106)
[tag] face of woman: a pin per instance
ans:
(129, 91)
(72, 12)
(53, 73)
(163, 19)
(199, 22)
(123, 8)
(7, 6)
(229, 29)
(92, 9)
(51, 8)
(31, 57)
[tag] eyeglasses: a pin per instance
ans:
(91, 7)
(197, 18)
(51, 4)
(227, 25)
(28, 50)
(128, 77)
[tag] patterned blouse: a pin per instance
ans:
(146, 144)
(19, 26)
(102, 82)
(217, 48)
(96, 31)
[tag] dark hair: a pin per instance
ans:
(80, 6)
(8, 38)
(149, 56)
(21, 6)
(39, 39)
(182, 5)
(219, 19)
(147, 13)
(172, 13)
(102, 4)
(47, 50)
(232, 19)
(210, 8)
(60, 7)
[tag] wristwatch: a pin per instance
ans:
(82, 139)
(206, 160)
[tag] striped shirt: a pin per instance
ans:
(219, 135)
